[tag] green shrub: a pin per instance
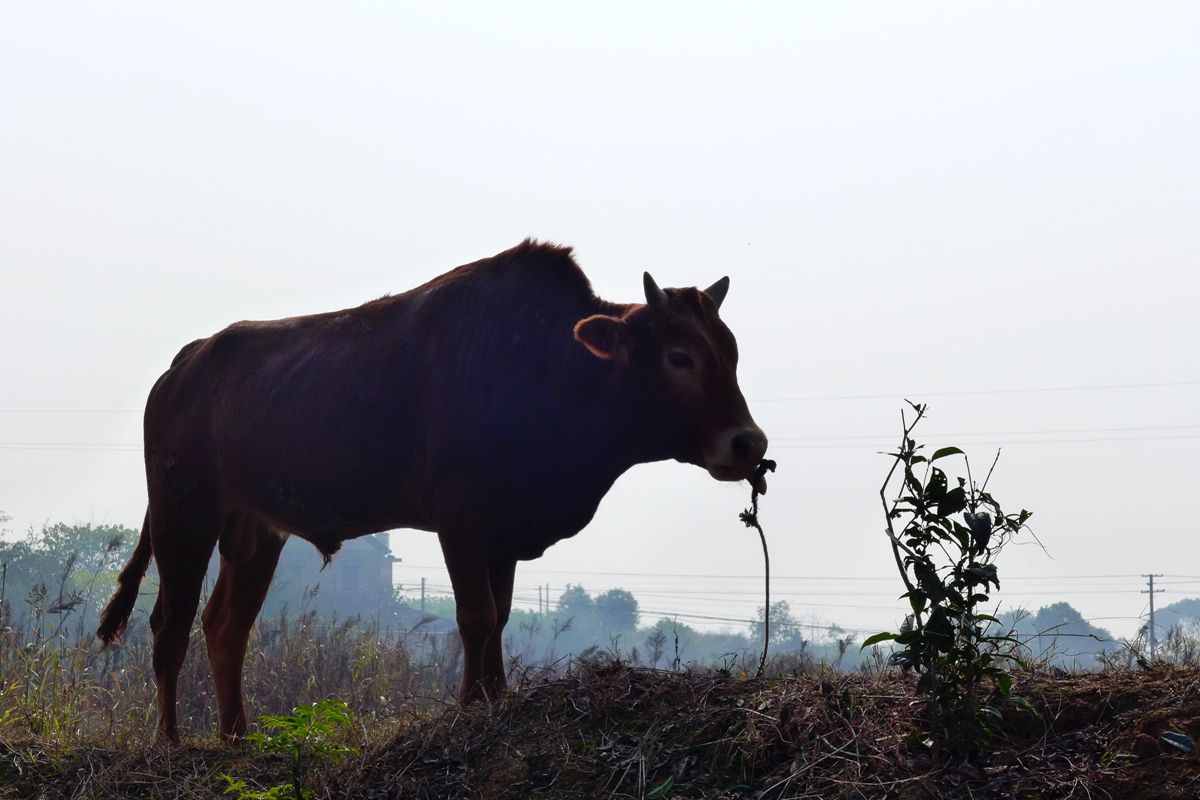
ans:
(309, 738)
(945, 537)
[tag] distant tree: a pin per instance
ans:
(785, 628)
(63, 569)
(1180, 612)
(575, 602)
(656, 646)
(1056, 615)
(440, 606)
(1058, 634)
(678, 639)
(618, 610)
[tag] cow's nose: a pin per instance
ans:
(749, 447)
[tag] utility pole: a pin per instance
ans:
(539, 598)
(422, 595)
(1152, 591)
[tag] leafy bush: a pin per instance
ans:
(945, 537)
(309, 738)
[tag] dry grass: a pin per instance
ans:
(608, 730)
(56, 687)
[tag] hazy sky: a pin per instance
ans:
(944, 201)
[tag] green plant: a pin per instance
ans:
(308, 737)
(945, 539)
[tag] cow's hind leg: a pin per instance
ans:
(182, 538)
(249, 554)
(501, 573)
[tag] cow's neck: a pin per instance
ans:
(623, 434)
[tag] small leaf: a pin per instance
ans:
(877, 638)
(962, 536)
(981, 528)
(945, 451)
(660, 791)
(914, 485)
(954, 501)
(1024, 704)
(935, 490)
(940, 631)
(984, 573)
(929, 581)
(1004, 682)
(917, 600)
(233, 784)
(1180, 741)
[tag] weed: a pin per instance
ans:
(948, 568)
(308, 738)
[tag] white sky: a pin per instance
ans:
(916, 198)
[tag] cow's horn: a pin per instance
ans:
(655, 297)
(718, 291)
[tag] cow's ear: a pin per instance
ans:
(605, 337)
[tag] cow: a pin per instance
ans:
(494, 405)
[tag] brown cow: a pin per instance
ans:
(495, 405)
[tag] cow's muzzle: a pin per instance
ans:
(737, 454)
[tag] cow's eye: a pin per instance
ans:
(680, 360)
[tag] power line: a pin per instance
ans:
(801, 398)
(803, 442)
(549, 605)
(798, 598)
(777, 577)
(71, 410)
(998, 442)
(747, 601)
(70, 448)
(65, 450)
(807, 437)
(1031, 390)
(1050, 632)
(519, 596)
(719, 595)
(25, 449)
(69, 445)
(804, 438)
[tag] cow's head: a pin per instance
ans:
(684, 358)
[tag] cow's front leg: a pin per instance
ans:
(476, 609)
(502, 573)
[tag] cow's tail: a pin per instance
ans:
(116, 613)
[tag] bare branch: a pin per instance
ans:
(989, 475)
(897, 545)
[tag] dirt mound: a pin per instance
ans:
(609, 730)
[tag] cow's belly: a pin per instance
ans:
(329, 501)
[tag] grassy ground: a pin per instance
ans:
(609, 730)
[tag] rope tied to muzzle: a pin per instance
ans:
(749, 518)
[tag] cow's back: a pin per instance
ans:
(340, 423)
